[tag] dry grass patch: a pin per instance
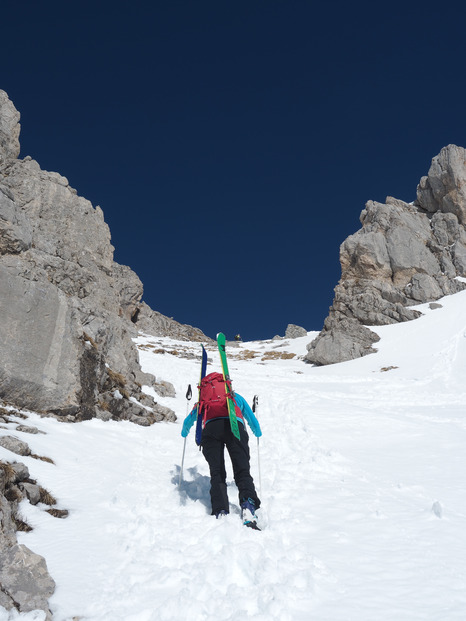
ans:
(46, 497)
(87, 338)
(13, 494)
(151, 348)
(247, 354)
(49, 460)
(117, 378)
(277, 355)
(8, 471)
(58, 513)
(20, 524)
(156, 349)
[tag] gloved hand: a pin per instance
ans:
(189, 422)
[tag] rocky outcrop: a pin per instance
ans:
(294, 332)
(68, 315)
(9, 130)
(444, 188)
(15, 445)
(66, 306)
(156, 324)
(69, 311)
(25, 583)
(403, 255)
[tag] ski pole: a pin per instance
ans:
(189, 394)
(182, 462)
(259, 465)
(255, 405)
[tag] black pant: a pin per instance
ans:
(216, 435)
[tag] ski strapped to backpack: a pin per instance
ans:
(221, 342)
(198, 435)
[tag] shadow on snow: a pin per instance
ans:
(197, 488)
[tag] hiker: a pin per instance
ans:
(216, 435)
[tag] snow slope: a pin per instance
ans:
(363, 479)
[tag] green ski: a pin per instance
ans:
(226, 376)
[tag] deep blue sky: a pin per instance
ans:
(233, 144)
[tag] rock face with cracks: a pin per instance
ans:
(68, 316)
(69, 311)
(404, 255)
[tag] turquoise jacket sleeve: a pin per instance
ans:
(248, 415)
(189, 421)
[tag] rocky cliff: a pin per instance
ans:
(68, 309)
(68, 314)
(404, 255)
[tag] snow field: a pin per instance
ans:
(363, 491)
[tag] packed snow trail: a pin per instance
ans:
(363, 479)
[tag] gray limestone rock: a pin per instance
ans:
(444, 188)
(15, 445)
(156, 324)
(9, 130)
(294, 332)
(32, 492)
(69, 311)
(344, 340)
(21, 472)
(7, 529)
(164, 389)
(29, 429)
(15, 230)
(25, 582)
(404, 254)
(458, 253)
(40, 351)
(129, 289)
(424, 288)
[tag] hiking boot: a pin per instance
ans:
(221, 514)
(248, 514)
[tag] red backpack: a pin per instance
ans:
(213, 398)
